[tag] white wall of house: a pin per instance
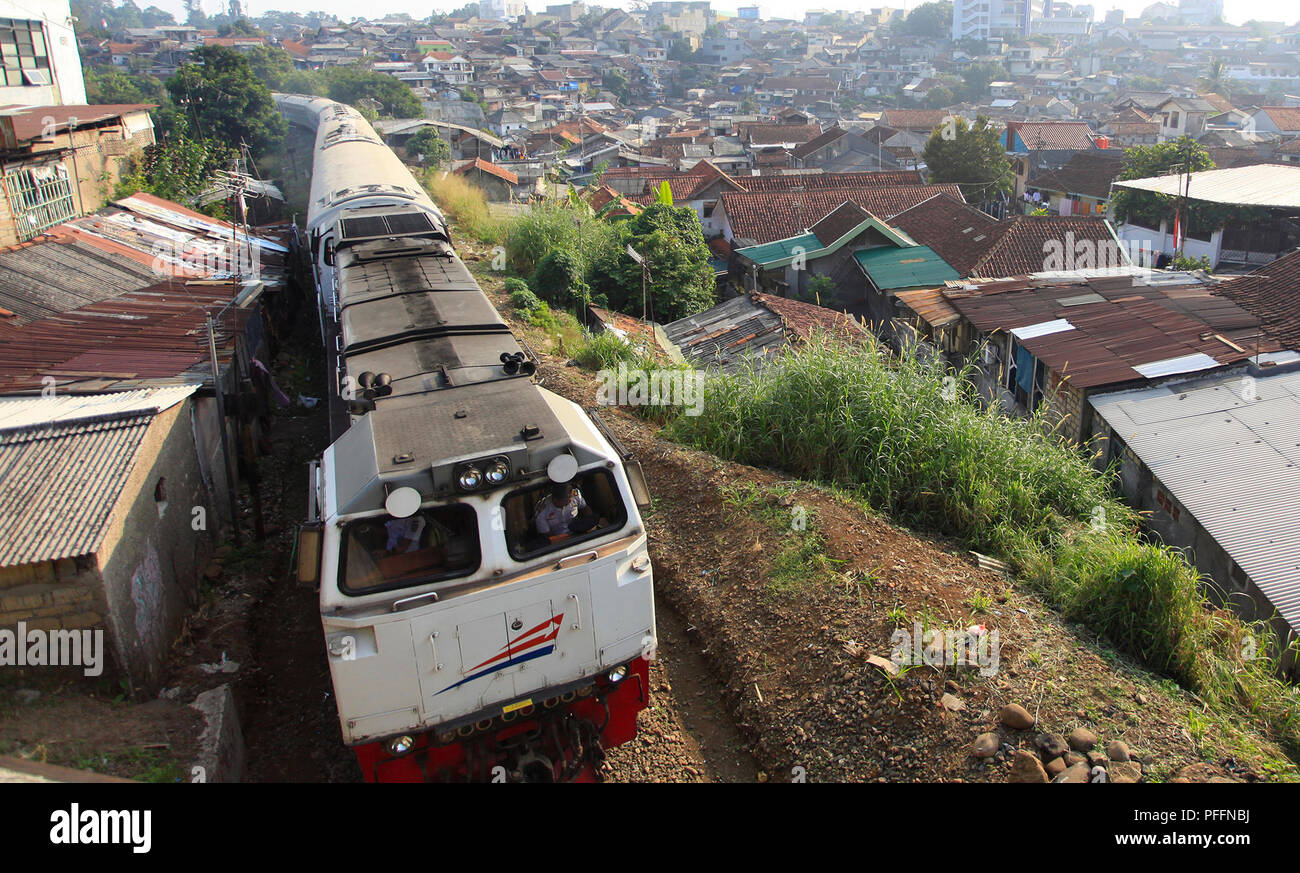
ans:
(57, 58)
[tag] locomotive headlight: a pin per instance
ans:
(400, 745)
(617, 675)
(469, 478)
(497, 472)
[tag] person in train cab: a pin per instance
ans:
(564, 514)
(404, 534)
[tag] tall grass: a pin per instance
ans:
(907, 437)
(465, 203)
(530, 236)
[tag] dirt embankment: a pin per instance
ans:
(786, 590)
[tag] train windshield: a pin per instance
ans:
(549, 517)
(432, 545)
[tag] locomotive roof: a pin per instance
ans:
(410, 309)
(419, 441)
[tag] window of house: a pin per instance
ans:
(24, 58)
(39, 197)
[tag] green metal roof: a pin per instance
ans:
(911, 267)
(781, 249)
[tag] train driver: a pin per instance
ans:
(564, 513)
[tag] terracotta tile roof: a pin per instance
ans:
(839, 222)
(1021, 245)
(1272, 294)
(1218, 101)
(1285, 117)
(803, 319)
(1134, 128)
(914, 119)
(689, 185)
(818, 142)
(764, 132)
(1052, 134)
(489, 168)
(958, 233)
(764, 216)
(1087, 173)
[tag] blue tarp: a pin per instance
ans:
(1024, 369)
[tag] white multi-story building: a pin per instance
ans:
(981, 19)
(39, 63)
(501, 10)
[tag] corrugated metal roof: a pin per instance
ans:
(910, 267)
(780, 249)
(1233, 462)
(1273, 185)
(728, 334)
(63, 462)
(45, 278)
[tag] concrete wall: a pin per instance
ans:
(152, 557)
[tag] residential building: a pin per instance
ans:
(39, 62)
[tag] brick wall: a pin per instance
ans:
(51, 595)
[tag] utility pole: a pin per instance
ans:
(221, 424)
(645, 279)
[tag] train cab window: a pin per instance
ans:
(549, 517)
(434, 544)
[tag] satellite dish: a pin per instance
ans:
(402, 502)
(562, 468)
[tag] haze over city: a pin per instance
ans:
(1235, 11)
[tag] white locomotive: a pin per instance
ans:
(485, 587)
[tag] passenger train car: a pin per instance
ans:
(468, 639)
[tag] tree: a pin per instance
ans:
(929, 20)
(978, 77)
(429, 145)
(350, 85)
(615, 82)
(110, 85)
(1149, 209)
(1216, 78)
(681, 278)
(271, 65)
(226, 102)
(558, 280)
(939, 97)
(178, 168)
(970, 155)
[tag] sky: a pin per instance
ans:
(1235, 11)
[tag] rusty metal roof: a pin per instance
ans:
(45, 278)
(1117, 323)
(152, 333)
(63, 464)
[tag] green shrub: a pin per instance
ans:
(604, 351)
(524, 300)
(535, 233)
(558, 280)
